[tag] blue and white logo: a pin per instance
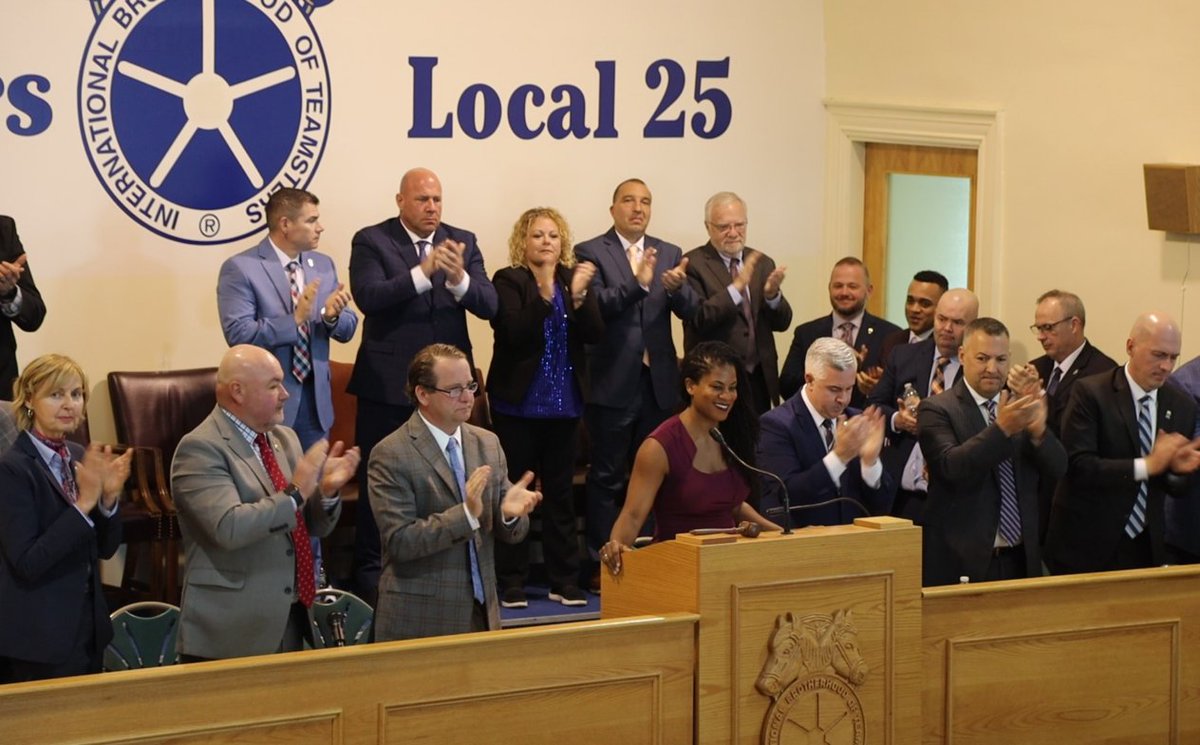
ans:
(193, 111)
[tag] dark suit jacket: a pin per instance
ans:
(1089, 362)
(962, 511)
(398, 322)
(1183, 515)
(871, 333)
(895, 339)
(254, 299)
(635, 320)
(425, 586)
(718, 319)
(1094, 499)
(520, 336)
(791, 447)
(50, 555)
(28, 318)
(908, 363)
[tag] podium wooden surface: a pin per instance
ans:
(869, 573)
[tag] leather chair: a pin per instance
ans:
(153, 411)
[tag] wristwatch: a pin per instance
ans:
(293, 491)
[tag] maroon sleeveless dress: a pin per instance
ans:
(689, 498)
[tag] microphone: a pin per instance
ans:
(715, 433)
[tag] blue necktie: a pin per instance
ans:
(1010, 513)
(460, 475)
(1137, 518)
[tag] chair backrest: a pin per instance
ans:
(481, 411)
(345, 405)
(340, 616)
(156, 409)
(143, 636)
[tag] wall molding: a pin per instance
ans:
(852, 124)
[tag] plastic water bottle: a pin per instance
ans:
(911, 398)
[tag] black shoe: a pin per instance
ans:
(569, 595)
(514, 597)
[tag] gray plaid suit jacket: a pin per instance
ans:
(425, 586)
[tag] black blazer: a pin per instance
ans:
(397, 321)
(1089, 362)
(28, 319)
(50, 556)
(520, 340)
(718, 319)
(1094, 499)
(871, 333)
(962, 511)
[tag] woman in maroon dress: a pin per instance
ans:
(681, 472)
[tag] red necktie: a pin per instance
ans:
(306, 588)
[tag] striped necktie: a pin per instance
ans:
(1137, 517)
(1010, 513)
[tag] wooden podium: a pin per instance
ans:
(812, 634)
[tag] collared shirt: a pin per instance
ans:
(248, 433)
(981, 403)
(1140, 472)
(284, 260)
(54, 462)
(871, 475)
(914, 338)
(1065, 366)
(442, 439)
(639, 247)
(421, 283)
(736, 296)
(856, 320)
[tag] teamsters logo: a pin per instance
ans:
(193, 111)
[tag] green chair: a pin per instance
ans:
(143, 636)
(340, 619)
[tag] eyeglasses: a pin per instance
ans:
(1046, 328)
(726, 227)
(458, 390)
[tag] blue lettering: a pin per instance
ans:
(491, 111)
(35, 108)
(423, 101)
(605, 126)
(517, 107)
(568, 120)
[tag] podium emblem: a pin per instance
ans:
(812, 670)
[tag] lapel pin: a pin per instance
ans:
(1168, 415)
(870, 330)
(310, 262)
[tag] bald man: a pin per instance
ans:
(248, 501)
(415, 279)
(1128, 449)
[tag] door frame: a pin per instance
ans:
(852, 124)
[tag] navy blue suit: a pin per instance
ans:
(50, 575)
(29, 318)
(872, 331)
(628, 400)
(254, 298)
(791, 446)
(398, 322)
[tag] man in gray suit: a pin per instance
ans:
(247, 501)
(440, 492)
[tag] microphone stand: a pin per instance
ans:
(715, 433)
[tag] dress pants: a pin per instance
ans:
(548, 448)
(614, 435)
(85, 658)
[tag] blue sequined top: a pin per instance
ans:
(554, 393)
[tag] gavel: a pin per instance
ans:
(745, 529)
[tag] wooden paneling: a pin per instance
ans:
(883, 159)
(741, 589)
(1110, 658)
(628, 681)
